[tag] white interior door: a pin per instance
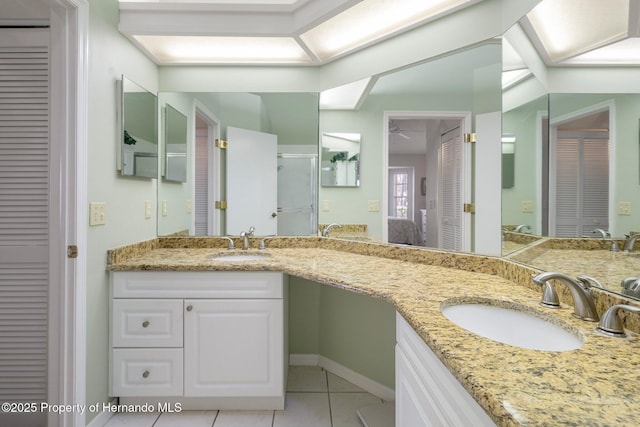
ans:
(24, 221)
(252, 181)
(488, 194)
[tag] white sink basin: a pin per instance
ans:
(511, 325)
(239, 257)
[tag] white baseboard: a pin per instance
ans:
(103, 417)
(365, 383)
(304, 359)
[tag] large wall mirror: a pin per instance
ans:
(575, 164)
(175, 145)
(283, 127)
(137, 153)
(340, 159)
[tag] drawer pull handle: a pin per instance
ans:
(145, 324)
(189, 307)
(145, 374)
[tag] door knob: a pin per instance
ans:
(273, 214)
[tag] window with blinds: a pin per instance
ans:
(24, 212)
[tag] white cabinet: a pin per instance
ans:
(230, 347)
(210, 340)
(427, 394)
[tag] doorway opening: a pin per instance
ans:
(429, 213)
(579, 174)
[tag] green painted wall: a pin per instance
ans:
(354, 330)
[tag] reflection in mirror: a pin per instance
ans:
(137, 153)
(340, 159)
(291, 117)
(175, 145)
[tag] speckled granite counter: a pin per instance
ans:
(593, 386)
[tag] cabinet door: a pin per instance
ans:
(234, 348)
(413, 407)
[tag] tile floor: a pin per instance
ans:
(315, 398)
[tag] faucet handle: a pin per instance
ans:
(611, 323)
(232, 245)
(589, 282)
(262, 246)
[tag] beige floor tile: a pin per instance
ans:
(340, 385)
(187, 418)
(133, 420)
(304, 410)
(244, 419)
(345, 405)
(307, 378)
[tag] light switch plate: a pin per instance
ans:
(165, 211)
(527, 206)
(189, 206)
(624, 208)
(373, 205)
(147, 209)
(97, 213)
(325, 206)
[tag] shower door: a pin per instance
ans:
(297, 194)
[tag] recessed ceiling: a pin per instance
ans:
(303, 32)
(585, 32)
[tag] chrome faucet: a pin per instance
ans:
(583, 306)
(603, 234)
(629, 242)
(245, 237)
(611, 323)
(521, 227)
(325, 230)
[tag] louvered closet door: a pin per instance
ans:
(450, 190)
(24, 206)
(582, 183)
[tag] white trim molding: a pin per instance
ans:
(69, 129)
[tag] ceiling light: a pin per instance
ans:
(345, 97)
(625, 52)
(568, 28)
(223, 50)
(371, 20)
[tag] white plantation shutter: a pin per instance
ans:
(24, 211)
(451, 190)
(566, 200)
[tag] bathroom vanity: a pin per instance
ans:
(204, 339)
(442, 370)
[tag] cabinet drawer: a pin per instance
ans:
(147, 323)
(147, 372)
(197, 284)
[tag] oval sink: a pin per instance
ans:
(239, 257)
(513, 325)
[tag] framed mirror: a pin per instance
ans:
(137, 124)
(340, 159)
(175, 145)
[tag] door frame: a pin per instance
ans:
(69, 108)
(553, 138)
(466, 175)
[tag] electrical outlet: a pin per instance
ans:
(147, 209)
(526, 206)
(189, 206)
(165, 212)
(325, 206)
(97, 213)
(373, 205)
(624, 208)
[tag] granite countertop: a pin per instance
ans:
(595, 385)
